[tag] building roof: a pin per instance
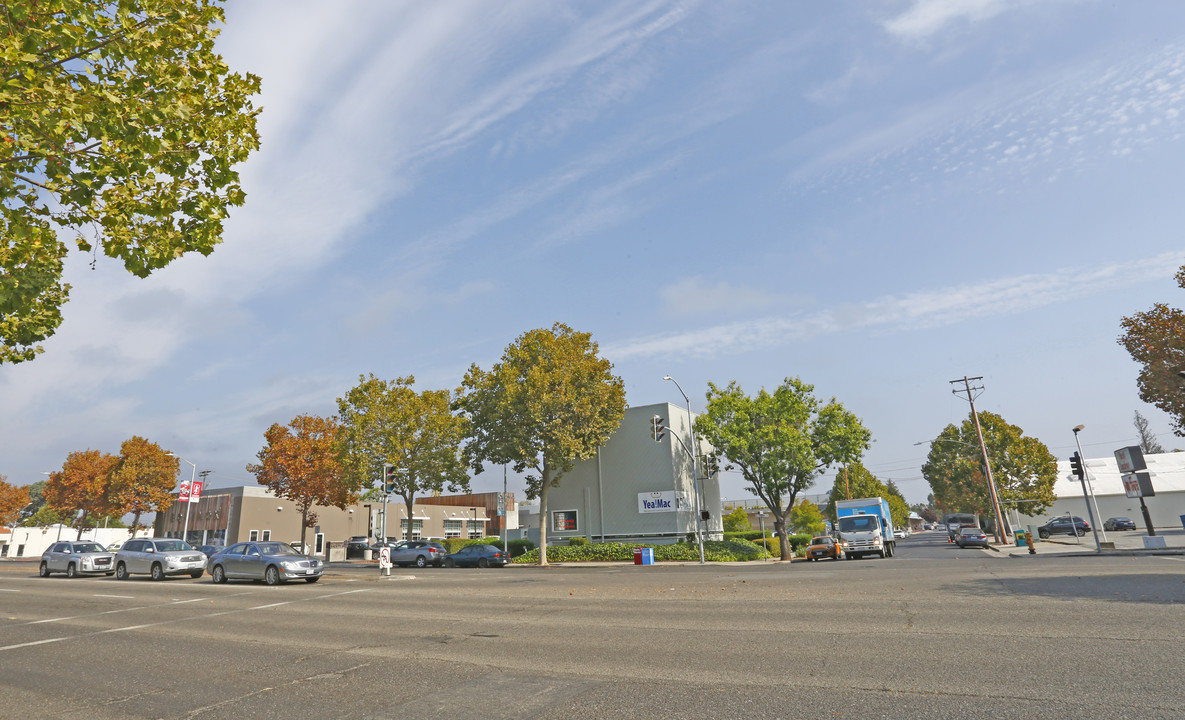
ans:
(1167, 470)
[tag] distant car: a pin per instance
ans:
(1119, 523)
(357, 546)
(114, 547)
(1063, 526)
(481, 556)
(971, 537)
(270, 562)
(900, 533)
(420, 553)
(301, 548)
(209, 550)
(823, 546)
(159, 558)
(77, 558)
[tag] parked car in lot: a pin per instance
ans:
(159, 558)
(357, 546)
(1119, 523)
(77, 558)
(823, 546)
(420, 553)
(971, 537)
(481, 556)
(1063, 526)
(270, 562)
(209, 550)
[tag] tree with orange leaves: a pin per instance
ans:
(81, 486)
(143, 479)
(12, 500)
(300, 465)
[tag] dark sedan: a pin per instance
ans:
(1063, 526)
(481, 556)
(1119, 523)
(271, 562)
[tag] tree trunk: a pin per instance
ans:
(783, 540)
(409, 501)
(135, 523)
(304, 523)
(81, 524)
(544, 486)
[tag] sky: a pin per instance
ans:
(875, 197)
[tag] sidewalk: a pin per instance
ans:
(1117, 543)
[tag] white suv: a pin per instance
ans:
(158, 557)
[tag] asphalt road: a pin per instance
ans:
(935, 632)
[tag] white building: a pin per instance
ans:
(31, 542)
(1165, 508)
(635, 489)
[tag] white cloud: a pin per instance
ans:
(695, 296)
(947, 306)
(927, 17)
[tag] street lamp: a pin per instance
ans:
(1087, 495)
(192, 475)
(699, 519)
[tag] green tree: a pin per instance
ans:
(780, 441)
(36, 500)
(390, 423)
(299, 463)
(737, 520)
(898, 507)
(1148, 442)
(143, 479)
(1023, 468)
(806, 518)
(855, 481)
(121, 125)
(1156, 340)
(44, 517)
(550, 401)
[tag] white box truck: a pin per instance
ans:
(865, 527)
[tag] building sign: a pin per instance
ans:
(195, 491)
(661, 501)
(1138, 484)
(183, 493)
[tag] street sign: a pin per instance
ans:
(1138, 485)
(183, 493)
(1130, 459)
(195, 491)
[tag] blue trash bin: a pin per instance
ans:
(1183, 521)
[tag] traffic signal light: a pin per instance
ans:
(705, 514)
(711, 464)
(388, 478)
(657, 428)
(1077, 466)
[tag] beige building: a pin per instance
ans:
(229, 515)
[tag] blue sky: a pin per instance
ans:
(877, 197)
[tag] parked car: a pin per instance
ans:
(271, 562)
(1119, 523)
(900, 533)
(209, 550)
(420, 553)
(159, 558)
(1063, 526)
(481, 556)
(301, 548)
(823, 546)
(971, 537)
(77, 558)
(114, 547)
(357, 546)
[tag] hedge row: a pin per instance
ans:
(714, 550)
(798, 543)
(517, 547)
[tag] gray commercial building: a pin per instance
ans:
(635, 489)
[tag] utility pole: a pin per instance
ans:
(971, 395)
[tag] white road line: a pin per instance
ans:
(122, 597)
(7, 590)
(188, 618)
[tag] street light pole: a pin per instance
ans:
(1094, 528)
(192, 475)
(699, 519)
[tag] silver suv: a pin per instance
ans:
(158, 557)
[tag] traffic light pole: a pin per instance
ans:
(699, 518)
(1094, 526)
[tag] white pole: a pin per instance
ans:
(699, 520)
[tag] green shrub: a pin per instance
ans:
(714, 550)
(577, 541)
(520, 546)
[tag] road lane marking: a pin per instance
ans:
(123, 597)
(8, 590)
(186, 619)
(123, 610)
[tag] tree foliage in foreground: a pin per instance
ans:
(1023, 468)
(550, 401)
(120, 125)
(780, 441)
(299, 463)
(390, 423)
(1156, 340)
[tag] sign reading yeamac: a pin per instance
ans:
(664, 501)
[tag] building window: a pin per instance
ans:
(267, 535)
(563, 521)
(417, 527)
(253, 536)
(452, 528)
(20, 550)
(477, 529)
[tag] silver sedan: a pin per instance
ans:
(271, 562)
(77, 558)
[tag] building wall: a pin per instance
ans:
(31, 542)
(489, 502)
(603, 491)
